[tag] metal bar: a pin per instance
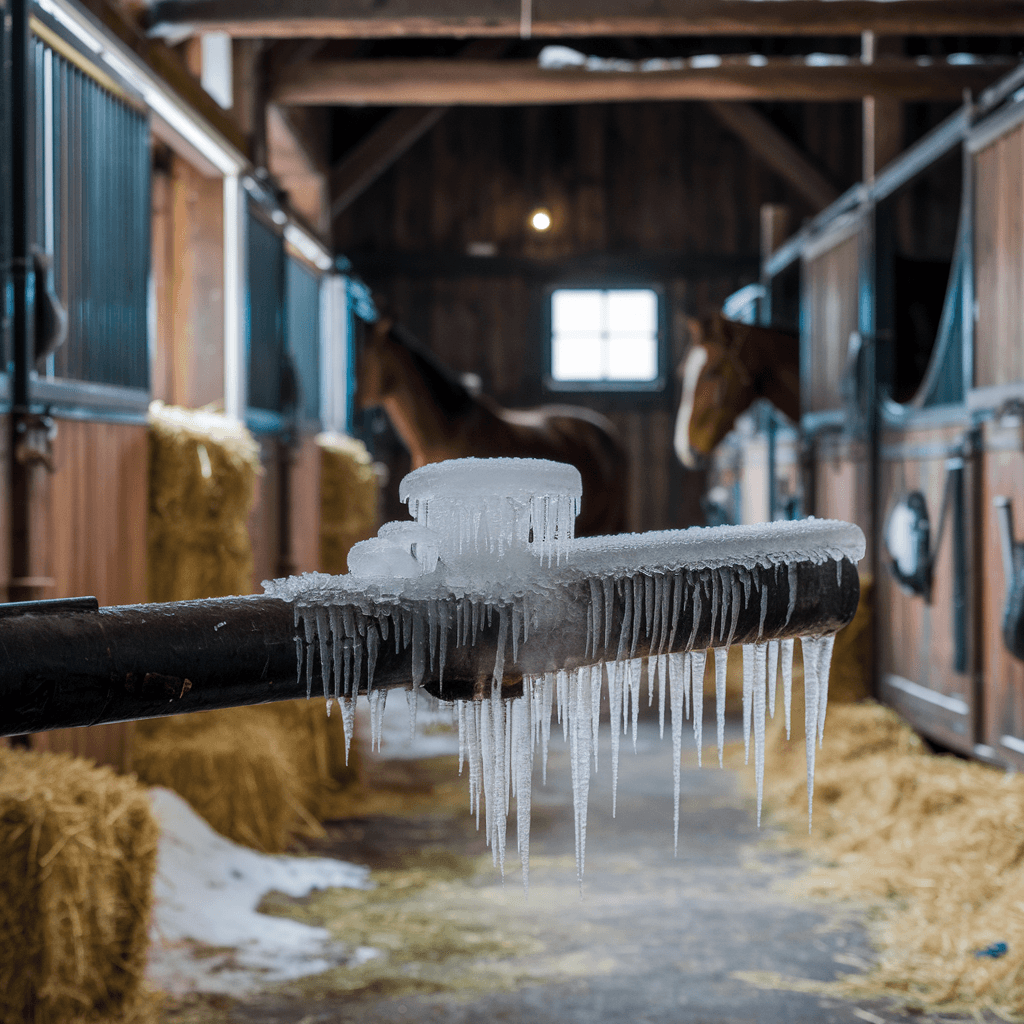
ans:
(960, 582)
(146, 661)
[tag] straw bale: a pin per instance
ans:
(936, 841)
(78, 854)
(202, 473)
(259, 775)
(349, 488)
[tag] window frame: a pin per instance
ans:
(656, 386)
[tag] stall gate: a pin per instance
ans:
(912, 372)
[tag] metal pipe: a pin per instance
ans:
(64, 666)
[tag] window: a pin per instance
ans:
(265, 314)
(605, 336)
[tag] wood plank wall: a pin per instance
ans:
(638, 192)
(831, 282)
(999, 259)
(95, 528)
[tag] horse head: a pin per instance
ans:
(374, 369)
(728, 367)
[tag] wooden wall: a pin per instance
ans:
(916, 637)
(1003, 476)
(657, 193)
(188, 273)
(94, 516)
(831, 283)
(999, 261)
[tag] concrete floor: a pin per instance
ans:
(655, 939)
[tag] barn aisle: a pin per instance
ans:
(655, 939)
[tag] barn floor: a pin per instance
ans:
(706, 937)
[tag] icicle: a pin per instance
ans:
(686, 685)
(764, 608)
(596, 671)
(309, 628)
(615, 676)
(562, 683)
(824, 665)
(432, 624)
(581, 733)
(786, 648)
(678, 590)
(773, 674)
(809, 647)
(662, 692)
(652, 672)
(590, 629)
(323, 631)
(348, 718)
(377, 700)
(697, 662)
(697, 610)
(499, 654)
(676, 676)
(475, 749)
(372, 646)
(517, 628)
(638, 610)
(547, 692)
(748, 694)
(337, 653)
(760, 651)
(634, 667)
(522, 754)
(608, 586)
(721, 666)
(412, 699)
(650, 602)
(791, 575)
(735, 618)
(461, 710)
(744, 575)
(654, 626)
(442, 656)
(715, 603)
(839, 573)
(627, 619)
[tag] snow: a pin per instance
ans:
(206, 892)
(493, 539)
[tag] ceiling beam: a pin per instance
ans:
(399, 131)
(371, 157)
(433, 82)
(773, 148)
(569, 18)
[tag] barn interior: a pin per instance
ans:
(740, 263)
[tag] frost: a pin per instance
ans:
(489, 570)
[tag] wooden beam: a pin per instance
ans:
(397, 133)
(577, 18)
(773, 148)
(433, 82)
(172, 69)
(351, 177)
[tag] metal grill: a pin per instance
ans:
(265, 314)
(91, 212)
(303, 294)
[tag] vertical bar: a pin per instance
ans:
(20, 142)
(235, 384)
(955, 468)
(967, 300)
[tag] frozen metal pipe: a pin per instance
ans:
(71, 663)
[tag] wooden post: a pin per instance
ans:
(883, 115)
(775, 228)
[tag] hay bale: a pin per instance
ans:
(937, 840)
(349, 488)
(259, 775)
(202, 474)
(78, 853)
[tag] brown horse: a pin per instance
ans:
(438, 417)
(729, 366)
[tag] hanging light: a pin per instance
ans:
(540, 219)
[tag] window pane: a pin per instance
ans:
(576, 310)
(635, 311)
(576, 357)
(632, 357)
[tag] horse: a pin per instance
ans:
(728, 367)
(438, 417)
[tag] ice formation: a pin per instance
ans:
(490, 561)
